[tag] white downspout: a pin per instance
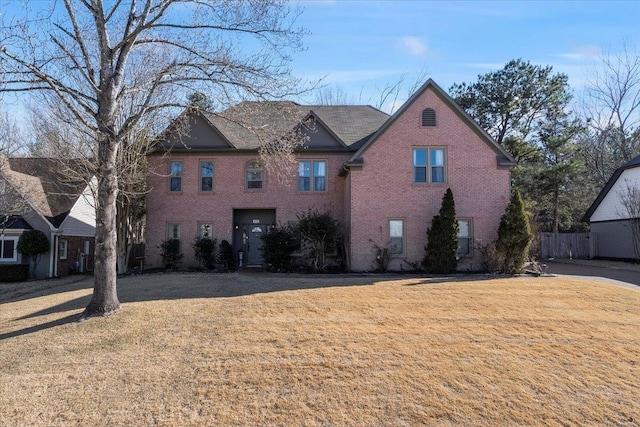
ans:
(52, 250)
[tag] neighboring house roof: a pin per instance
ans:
(249, 124)
(46, 184)
(503, 157)
(633, 163)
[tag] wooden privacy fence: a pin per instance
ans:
(569, 245)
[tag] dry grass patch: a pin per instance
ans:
(197, 349)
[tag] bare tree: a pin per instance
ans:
(630, 200)
(12, 184)
(612, 109)
(82, 53)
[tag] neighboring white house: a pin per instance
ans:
(611, 218)
(62, 208)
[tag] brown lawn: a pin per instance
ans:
(240, 349)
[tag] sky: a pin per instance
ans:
(361, 47)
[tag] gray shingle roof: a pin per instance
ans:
(249, 124)
(47, 185)
(353, 124)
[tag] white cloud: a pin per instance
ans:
(583, 53)
(413, 45)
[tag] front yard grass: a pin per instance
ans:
(238, 349)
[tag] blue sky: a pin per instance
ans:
(362, 46)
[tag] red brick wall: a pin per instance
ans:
(75, 246)
(384, 187)
(191, 206)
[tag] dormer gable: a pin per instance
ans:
(193, 130)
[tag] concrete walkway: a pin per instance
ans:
(624, 273)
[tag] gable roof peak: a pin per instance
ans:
(504, 158)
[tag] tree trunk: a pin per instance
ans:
(556, 213)
(104, 301)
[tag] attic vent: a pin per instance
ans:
(428, 117)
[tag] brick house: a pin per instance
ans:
(59, 206)
(382, 176)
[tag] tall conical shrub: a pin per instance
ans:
(442, 239)
(514, 236)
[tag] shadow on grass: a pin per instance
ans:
(177, 286)
(40, 327)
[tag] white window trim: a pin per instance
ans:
(63, 254)
(4, 238)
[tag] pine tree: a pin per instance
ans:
(514, 235)
(442, 239)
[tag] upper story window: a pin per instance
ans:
(428, 117)
(312, 175)
(175, 176)
(206, 176)
(255, 175)
(429, 165)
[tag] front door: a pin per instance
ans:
(254, 246)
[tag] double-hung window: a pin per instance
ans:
(429, 165)
(8, 249)
(254, 175)
(396, 236)
(205, 230)
(175, 177)
(173, 231)
(464, 237)
(312, 175)
(62, 249)
(206, 176)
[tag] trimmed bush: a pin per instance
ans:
(170, 252)
(14, 273)
(278, 245)
(320, 234)
(442, 239)
(205, 251)
(225, 256)
(32, 244)
(514, 236)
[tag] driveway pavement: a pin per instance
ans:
(623, 273)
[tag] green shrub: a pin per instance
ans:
(442, 239)
(32, 244)
(14, 273)
(225, 256)
(514, 236)
(205, 251)
(170, 252)
(278, 245)
(320, 234)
